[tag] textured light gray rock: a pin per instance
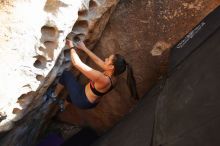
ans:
(31, 39)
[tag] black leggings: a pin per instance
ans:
(76, 91)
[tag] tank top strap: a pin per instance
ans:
(110, 80)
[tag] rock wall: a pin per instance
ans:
(142, 31)
(32, 35)
(33, 52)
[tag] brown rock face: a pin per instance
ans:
(143, 32)
(32, 53)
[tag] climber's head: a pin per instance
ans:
(116, 64)
(119, 64)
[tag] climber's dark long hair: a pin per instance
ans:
(120, 65)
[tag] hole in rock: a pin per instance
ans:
(53, 6)
(50, 46)
(82, 13)
(40, 77)
(40, 62)
(91, 31)
(16, 111)
(82, 23)
(24, 97)
(80, 27)
(93, 4)
(3, 116)
(50, 31)
(79, 37)
(41, 49)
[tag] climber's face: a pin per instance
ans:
(109, 62)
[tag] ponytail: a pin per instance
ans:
(120, 66)
(131, 82)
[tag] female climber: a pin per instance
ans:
(101, 83)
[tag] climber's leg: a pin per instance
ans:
(74, 88)
(76, 91)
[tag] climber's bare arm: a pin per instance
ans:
(95, 58)
(89, 72)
